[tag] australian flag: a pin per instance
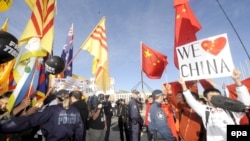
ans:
(67, 53)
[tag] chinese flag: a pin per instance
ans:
(186, 25)
(231, 90)
(153, 62)
(206, 84)
(176, 86)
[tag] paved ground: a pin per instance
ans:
(115, 134)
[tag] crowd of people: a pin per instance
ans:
(62, 116)
(183, 115)
(169, 116)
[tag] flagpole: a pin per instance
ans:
(32, 80)
(142, 82)
(78, 51)
(233, 28)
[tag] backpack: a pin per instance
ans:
(207, 113)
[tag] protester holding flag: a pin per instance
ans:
(216, 119)
(148, 102)
(4, 98)
(167, 108)
(4, 114)
(187, 121)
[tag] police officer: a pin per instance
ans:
(122, 113)
(158, 124)
(135, 119)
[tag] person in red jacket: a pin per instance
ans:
(148, 102)
(188, 123)
(168, 110)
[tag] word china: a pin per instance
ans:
(206, 58)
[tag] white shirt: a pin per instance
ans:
(218, 118)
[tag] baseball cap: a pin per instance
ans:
(156, 93)
(62, 93)
(135, 92)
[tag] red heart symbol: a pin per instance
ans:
(214, 47)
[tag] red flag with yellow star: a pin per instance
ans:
(186, 26)
(153, 62)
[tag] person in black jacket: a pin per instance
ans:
(97, 121)
(123, 119)
(77, 102)
(108, 113)
(61, 122)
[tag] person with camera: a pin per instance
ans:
(158, 124)
(123, 119)
(97, 121)
(135, 119)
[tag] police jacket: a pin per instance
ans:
(133, 109)
(56, 123)
(158, 122)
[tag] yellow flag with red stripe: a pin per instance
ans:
(96, 45)
(41, 24)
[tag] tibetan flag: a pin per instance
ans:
(26, 73)
(67, 53)
(96, 45)
(41, 25)
(42, 83)
(24, 83)
(186, 26)
(153, 62)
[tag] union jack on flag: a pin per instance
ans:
(67, 53)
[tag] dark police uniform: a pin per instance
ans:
(123, 121)
(158, 125)
(57, 123)
(135, 120)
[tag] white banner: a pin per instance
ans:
(86, 86)
(206, 58)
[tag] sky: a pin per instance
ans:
(130, 22)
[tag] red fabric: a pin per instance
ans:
(232, 94)
(176, 87)
(231, 88)
(188, 123)
(205, 84)
(168, 110)
(186, 26)
(148, 105)
(153, 62)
